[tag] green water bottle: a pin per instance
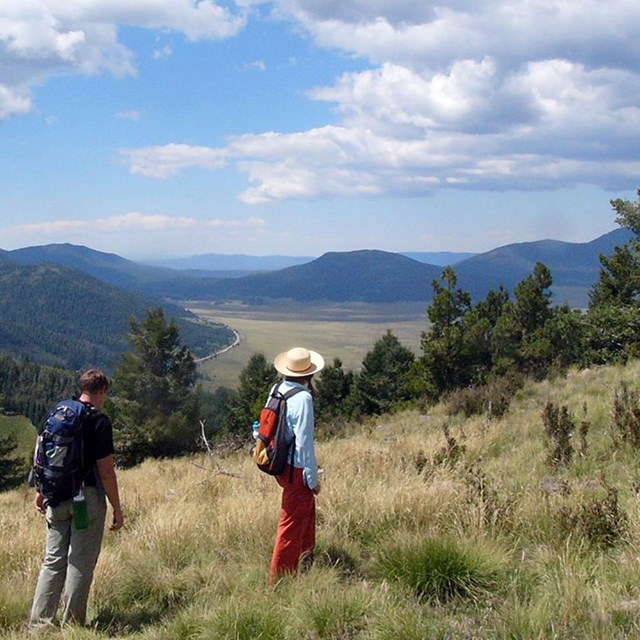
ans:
(80, 513)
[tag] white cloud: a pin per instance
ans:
(508, 94)
(253, 222)
(256, 65)
(135, 232)
(166, 161)
(471, 97)
(129, 115)
(146, 222)
(40, 38)
(14, 100)
(501, 95)
(163, 52)
(130, 222)
(408, 134)
(47, 228)
(430, 34)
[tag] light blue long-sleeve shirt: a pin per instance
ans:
(300, 422)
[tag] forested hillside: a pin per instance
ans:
(60, 316)
(107, 267)
(29, 389)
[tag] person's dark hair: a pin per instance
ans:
(93, 381)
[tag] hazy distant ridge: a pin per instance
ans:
(218, 262)
(362, 276)
(234, 262)
(441, 258)
(575, 267)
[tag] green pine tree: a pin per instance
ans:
(385, 381)
(255, 381)
(333, 389)
(619, 283)
(13, 469)
(154, 400)
(444, 360)
(613, 331)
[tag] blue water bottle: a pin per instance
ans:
(256, 429)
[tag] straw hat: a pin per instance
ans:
(298, 362)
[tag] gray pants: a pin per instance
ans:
(69, 562)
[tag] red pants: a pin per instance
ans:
(297, 528)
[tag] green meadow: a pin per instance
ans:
(347, 332)
(22, 429)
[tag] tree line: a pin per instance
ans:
(475, 354)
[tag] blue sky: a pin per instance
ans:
(157, 128)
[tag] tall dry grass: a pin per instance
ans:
(419, 536)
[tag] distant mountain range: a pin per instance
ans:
(355, 276)
(575, 267)
(439, 258)
(362, 276)
(240, 264)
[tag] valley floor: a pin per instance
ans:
(347, 332)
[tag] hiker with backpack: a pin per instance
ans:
(73, 472)
(295, 538)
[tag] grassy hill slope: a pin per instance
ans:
(429, 526)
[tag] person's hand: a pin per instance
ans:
(39, 503)
(316, 489)
(118, 520)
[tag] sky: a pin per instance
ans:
(172, 128)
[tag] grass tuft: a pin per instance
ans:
(440, 569)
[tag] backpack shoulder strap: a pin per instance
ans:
(89, 409)
(292, 392)
(275, 390)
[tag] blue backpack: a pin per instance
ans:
(58, 460)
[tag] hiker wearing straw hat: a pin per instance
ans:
(296, 534)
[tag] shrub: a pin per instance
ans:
(559, 428)
(340, 614)
(13, 468)
(450, 453)
(492, 399)
(596, 516)
(585, 425)
(247, 622)
(339, 559)
(497, 509)
(625, 416)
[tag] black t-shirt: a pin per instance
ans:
(98, 442)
